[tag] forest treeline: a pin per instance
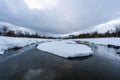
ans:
(4, 31)
(109, 33)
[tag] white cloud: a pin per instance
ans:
(32, 4)
(40, 4)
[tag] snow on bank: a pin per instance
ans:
(105, 41)
(11, 42)
(66, 50)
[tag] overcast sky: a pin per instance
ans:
(58, 16)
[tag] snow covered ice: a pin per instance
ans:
(11, 42)
(104, 41)
(63, 49)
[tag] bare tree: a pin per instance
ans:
(4, 30)
(117, 30)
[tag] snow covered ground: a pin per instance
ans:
(105, 41)
(11, 42)
(63, 48)
(67, 49)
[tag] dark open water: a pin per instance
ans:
(34, 64)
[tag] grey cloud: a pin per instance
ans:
(68, 16)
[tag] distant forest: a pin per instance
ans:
(109, 33)
(4, 31)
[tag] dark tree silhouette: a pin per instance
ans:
(4, 30)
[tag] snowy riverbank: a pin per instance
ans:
(12, 42)
(63, 48)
